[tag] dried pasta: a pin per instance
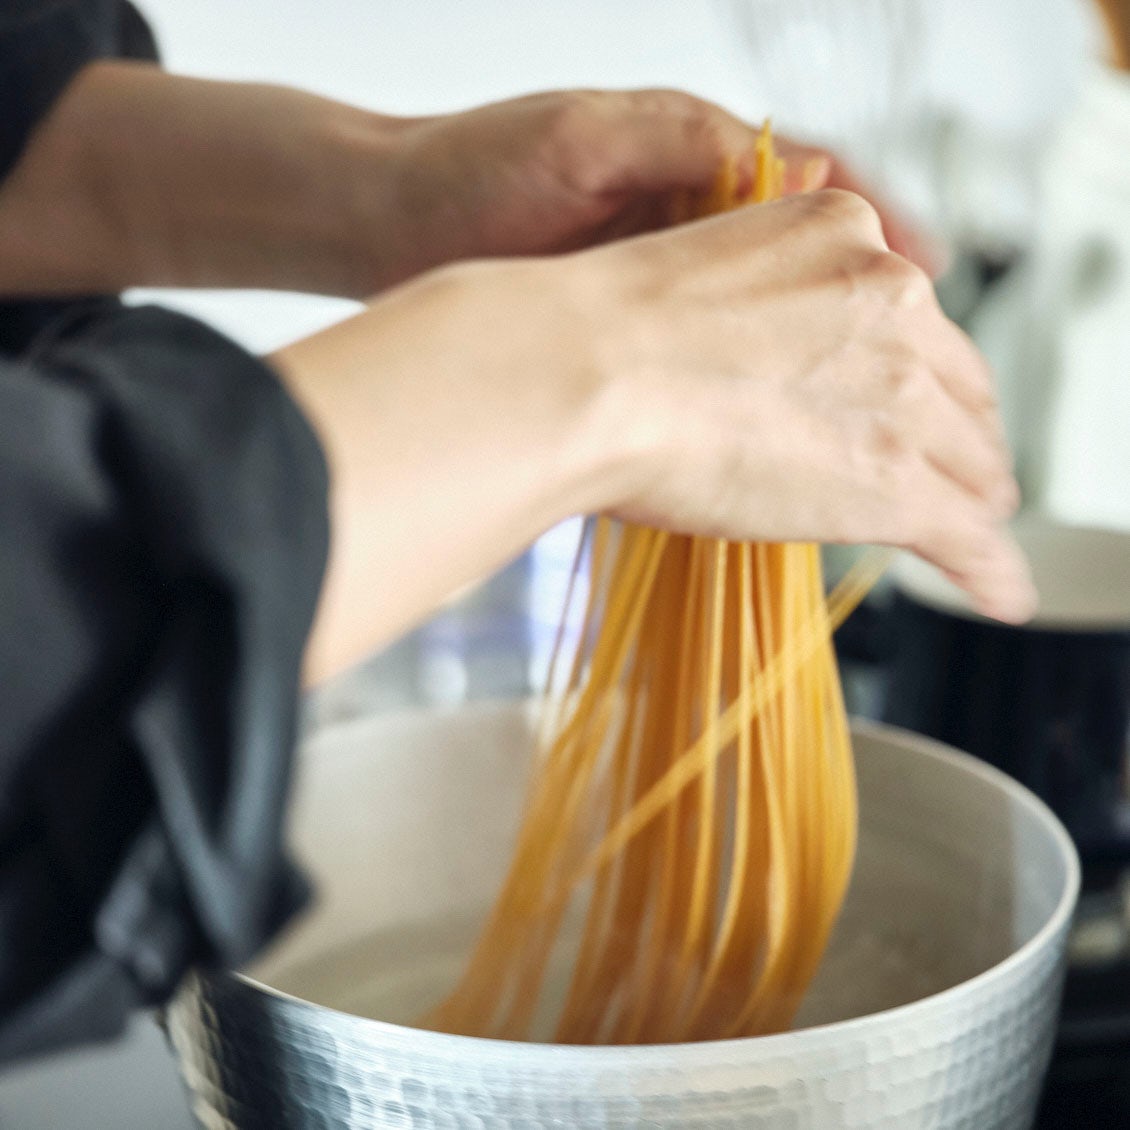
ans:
(691, 822)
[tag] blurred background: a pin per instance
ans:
(1001, 125)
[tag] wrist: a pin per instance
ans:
(408, 194)
(526, 348)
(460, 419)
(545, 348)
(632, 422)
(362, 154)
(608, 441)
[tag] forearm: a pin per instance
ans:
(449, 449)
(138, 177)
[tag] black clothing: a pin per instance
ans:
(43, 43)
(163, 508)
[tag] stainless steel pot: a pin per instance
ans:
(934, 1009)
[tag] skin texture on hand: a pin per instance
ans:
(565, 170)
(771, 374)
(801, 383)
(816, 168)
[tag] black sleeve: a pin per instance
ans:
(163, 507)
(43, 43)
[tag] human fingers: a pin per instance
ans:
(903, 499)
(962, 444)
(666, 139)
(945, 526)
(807, 168)
(965, 372)
(937, 386)
(966, 375)
(903, 235)
(954, 357)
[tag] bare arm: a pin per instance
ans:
(776, 375)
(140, 177)
(451, 447)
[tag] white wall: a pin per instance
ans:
(430, 56)
(999, 67)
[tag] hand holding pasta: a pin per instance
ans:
(693, 799)
(775, 374)
(690, 825)
(563, 170)
(792, 379)
(571, 169)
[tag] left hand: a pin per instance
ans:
(269, 187)
(565, 170)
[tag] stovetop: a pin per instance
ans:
(1088, 1084)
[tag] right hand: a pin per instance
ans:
(772, 374)
(786, 377)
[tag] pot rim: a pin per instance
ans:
(921, 584)
(537, 1056)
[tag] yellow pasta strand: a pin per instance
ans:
(690, 826)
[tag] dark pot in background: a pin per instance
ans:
(1049, 703)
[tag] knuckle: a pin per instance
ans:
(929, 535)
(908, 526)
(572, 110)
(978, 381)
(895, 472)
(959, 533)
(888, 448)
(669, 100)
(905, 382)
(576, 144)
(848, 210)
(899, 281)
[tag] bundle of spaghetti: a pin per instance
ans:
(690, 827)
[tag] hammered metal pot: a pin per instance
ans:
(934, 1009)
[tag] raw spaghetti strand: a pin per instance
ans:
(690, 826)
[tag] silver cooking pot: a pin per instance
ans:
(935, 1007)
